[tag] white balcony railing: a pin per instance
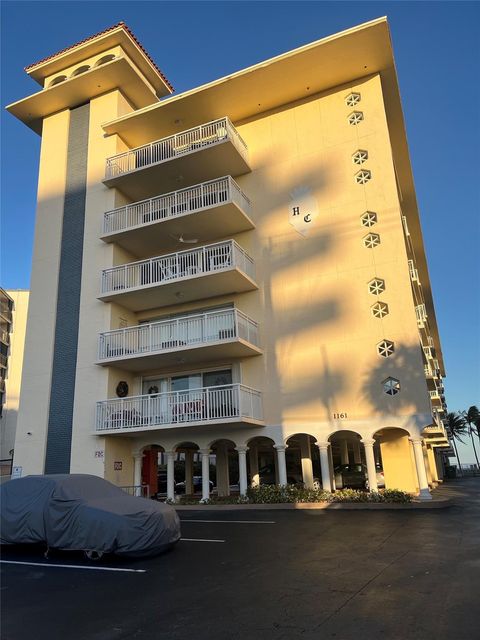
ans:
(429, 373)
(205, 135)
(434, 395)
(429, 352)
(207, 404)
(421, 313)
(413, 271)
(178, 333)
(177, 203)
(175, 266)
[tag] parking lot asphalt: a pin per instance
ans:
(281, 575)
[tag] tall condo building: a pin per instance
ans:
(230, 281)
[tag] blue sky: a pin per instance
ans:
(437, 55)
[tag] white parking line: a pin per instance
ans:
(72, 566)
(233, 521)
(199, 540)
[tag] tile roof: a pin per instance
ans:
(101, 33)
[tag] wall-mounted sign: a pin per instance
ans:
(340, 416)
(16, 472)
(99, 454)
(117, 466)
(303, 213)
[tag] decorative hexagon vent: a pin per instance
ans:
(352, 99)
(369, 218)
(363, 176)
(380, 310)
(360, 156)
(376, 286)
(385, 348)
(355, 117)
(371, 240)
(391, 386)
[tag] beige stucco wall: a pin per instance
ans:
(37, 365)
(8, 421)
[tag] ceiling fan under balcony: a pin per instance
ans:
(184, 240)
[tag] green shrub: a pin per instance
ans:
(276, 494)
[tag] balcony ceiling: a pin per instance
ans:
(221, 221)
(201, 287)
(221, 351)
(196, 427)
(200, 165)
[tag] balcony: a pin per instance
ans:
(413, 272)
(215, 209)
(435, 398)
(195, 274)
(197, 338)
(3, 360)
(193, 156)
(421, 314)
(232, 404)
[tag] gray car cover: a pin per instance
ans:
(84, 512)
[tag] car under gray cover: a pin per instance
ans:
(84, 513)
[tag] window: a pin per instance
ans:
(371, 240)
(363, 176)
(376, 286)
(391, 386)
(385, 348)
(380, 310)
(360, 156)
(369, 218)
(355, 117)
(352, 99)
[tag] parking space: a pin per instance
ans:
(275, 574)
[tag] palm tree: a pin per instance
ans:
(472, 418)
(456, 428)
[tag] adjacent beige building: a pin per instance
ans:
(232, 275)
(13, 323)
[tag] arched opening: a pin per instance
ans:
(226, 474)
(80, 70)
(262, 464)
(397, 459)
(105, 59)
(187, 469)
(57, 80)
(348, 460)
(151, 461)
(303, 461)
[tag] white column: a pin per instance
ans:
(421, 473)
(344, 451)
(137, 472)
(253, 457)
(170, 475)
(331, 468)
(307, 467)
(325, 465)
(205, 474)
(189, 471)
(357, 453)
(370, 460)
(242, 469)
(281, 464)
